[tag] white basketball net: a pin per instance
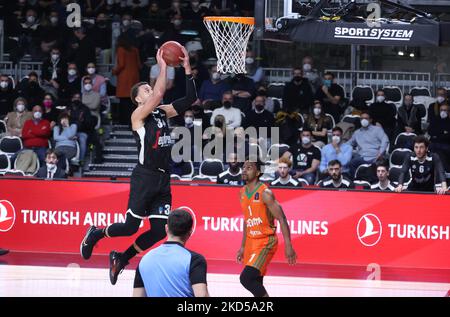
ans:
(230, 40)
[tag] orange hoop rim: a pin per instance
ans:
(241, 20)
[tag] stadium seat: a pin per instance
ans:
(12, 81)
(363, 184)
(14, 173)
(303, 181)
(204, 178)
(420, 91)
(275, 90)
(333, 123)
(393, 94)
(10, 145)
(34, 169)
(211, 168)
(365, 93)
(405, 140)
(394, 174)
(175, 177)
(254, 148)
(353, 119)
(187, 169)
(398, 157)
(364, 173)
(282, 148)
(76, 159)
(5, 163)
(266, 178)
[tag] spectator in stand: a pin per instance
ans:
(7, 95)
(98, 82)
(297, 94)
(440, 136)
(433, 109)
(194, 14)
(93, 7)
(233, 175)
(154, 19)
(15, 120)
(90, 97)
(289, 125)
(270, 104)
(306, 157)
(259, 117)
(285, 179)
(82, 49)
(331, 95)
(30, 89)
(319, 124)
(50, 113)
(409, 117)
(212, 89)
(36, 133)
(65, 136)
(383, 115)
(231, 114)
(127, 71)
(53, 33)
(256, 73)
(54, 69)
(174, 10)
(70, 83)
(102, 35)
(244, 91)
(370, 142)
(310, 73)
(384, 184)
(336, 150)
(173, 32)
(81, 116)
(427, 170)
(336, 179)
(51, 170)
(29, 34)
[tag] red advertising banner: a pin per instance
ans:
(327, 227)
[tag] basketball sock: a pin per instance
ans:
(128, 254)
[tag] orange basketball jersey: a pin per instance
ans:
(258, 219)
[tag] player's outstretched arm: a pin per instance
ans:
(277, 212)
(158, 92)
(179, 106)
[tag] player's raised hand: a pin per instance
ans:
(185, 59)
(291, 256)
(160, 59)
(240, 255)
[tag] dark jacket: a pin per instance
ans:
(43, 173)
(297, 97)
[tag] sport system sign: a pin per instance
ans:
(327, 227)
(373, 34)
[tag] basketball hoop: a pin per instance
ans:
(230, 36)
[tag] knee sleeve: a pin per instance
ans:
(156, 233)
(126, 229)
(252, 280)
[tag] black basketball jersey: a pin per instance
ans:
(424, 174)
(154, 142)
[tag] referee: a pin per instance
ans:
(171, 270)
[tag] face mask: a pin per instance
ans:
(126, 22)
(188, 120)
(306, 140)
(307, 67)
(72, 72)
(20, 107)
(364, 123)
(380, 98)
(177, 22)
(53, 20)
(215, 76)
(31, 19)
(259, 107)
(48, 103)
(50, 166)
(317, 111)
(249, 60)
(336, 139)
(227, 104)
(3, 84)
(91, 70)
(55, 57)
(298, 78)
(440, 99)
(88, 87)
(37, 115)
(327, 82)
(444, 114)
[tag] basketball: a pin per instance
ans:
(172, 52)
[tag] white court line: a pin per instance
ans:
(75, 281)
